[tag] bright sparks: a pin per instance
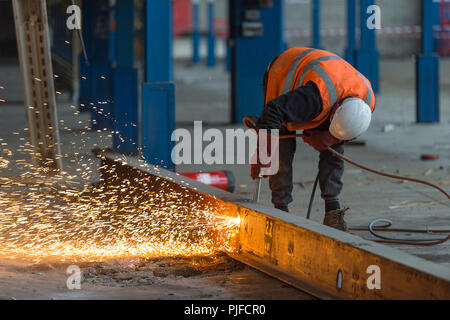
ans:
(44, 220)
(3, 163)
(62, 217)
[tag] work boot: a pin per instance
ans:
(282, 208)
(335, 219)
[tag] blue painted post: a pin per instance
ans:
(316, 23)
(125, 82)
(195, 31)
(125, 33)
(427, 71)
(85, 99)
(158, 42)
(228, 56)
(211, 60)
(158, 92)
(351, 32)
(112, 31)
(101, 70)
(367, 57)
(251, 54)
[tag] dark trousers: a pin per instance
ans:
(331, 169)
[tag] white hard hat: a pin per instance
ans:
(351, 119)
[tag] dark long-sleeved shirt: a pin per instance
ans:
(302, 104)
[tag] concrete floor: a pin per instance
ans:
(203, 94)
(47, 281)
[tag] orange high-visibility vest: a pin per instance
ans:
(335, 78)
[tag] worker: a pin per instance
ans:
(318, 92)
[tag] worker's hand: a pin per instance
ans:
(320, 140)
(263, 162)
(255, 171)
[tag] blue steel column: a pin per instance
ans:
(367, 57)
(427, 71)
(316, 23)
(125, 82)
(351, 32)
(252, 54)
(195, 31)
(158, 92)
(112, 31)
(228, 56)
(102, 95)
(211, 60)
(86, 69)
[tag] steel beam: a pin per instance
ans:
(158, 110)
(427, 71)
(313, 257)
(86, 82)
(367, 56)
(253, 25)
(101, 68)
(350, 51)
(37, 78)
(195, 31)
(126, 90)
(211, 57)
(96, 84)
(316, 24)
(158, 90)
(322, 261)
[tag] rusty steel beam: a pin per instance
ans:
(322, 261)
(35, 59)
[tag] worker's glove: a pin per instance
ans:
(319, 140)
(255, 171)
(265, 161)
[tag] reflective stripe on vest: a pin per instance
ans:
(369, 90)
(316, 62)
(314, 65)
(332, 93)
(288, 81)
(328, 82)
